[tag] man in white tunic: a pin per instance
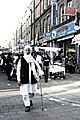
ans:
(27, 76)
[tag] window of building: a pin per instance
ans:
(41, 6)
(36, 29)
(44, 4)
(37, 11)
(61, 15)
(48, 23)
(39, 27)
(69, 4)
(44, 25)
(48, 2)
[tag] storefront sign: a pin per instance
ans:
(70, 11)
(66, 29)
(47, 36)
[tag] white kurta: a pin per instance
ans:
(28, 88)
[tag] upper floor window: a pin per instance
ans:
(48, 23)
(48, 2)
(61, 13)
(44, 25)
(44, 4)
(70, 3)
(41, 6)
(37, 11)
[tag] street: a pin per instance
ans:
(61, 100)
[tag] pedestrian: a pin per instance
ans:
(3, 62)
(39, 59)
(28, 77)
(71, 63)
(9, 65)
(46, 62)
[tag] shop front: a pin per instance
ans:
(63, 35)
(76, 42)
(65, 44)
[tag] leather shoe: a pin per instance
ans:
(27, 109)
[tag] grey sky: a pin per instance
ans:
(11, 12)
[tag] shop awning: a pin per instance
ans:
(65, 38)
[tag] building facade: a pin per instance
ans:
(51, 23)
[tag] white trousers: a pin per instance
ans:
(25, 91)
(26, 100)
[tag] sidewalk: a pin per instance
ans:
(55, 108)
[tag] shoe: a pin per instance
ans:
(31, 103)
(9, 78)
(27, 109)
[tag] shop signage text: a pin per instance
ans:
(61, 31)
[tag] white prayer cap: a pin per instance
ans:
(27, 46)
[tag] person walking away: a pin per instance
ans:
(9, 65)
(3, 62)
(39, 59)
(46, 61)
(28, 77)
(71, 64)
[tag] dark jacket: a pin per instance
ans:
(46, 61)
(24, 75)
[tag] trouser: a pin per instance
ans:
(46, 73)
(8, 71)
(27, 98)
(71, 69)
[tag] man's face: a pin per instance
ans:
(27, 51)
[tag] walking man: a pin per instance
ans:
(28, 77)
